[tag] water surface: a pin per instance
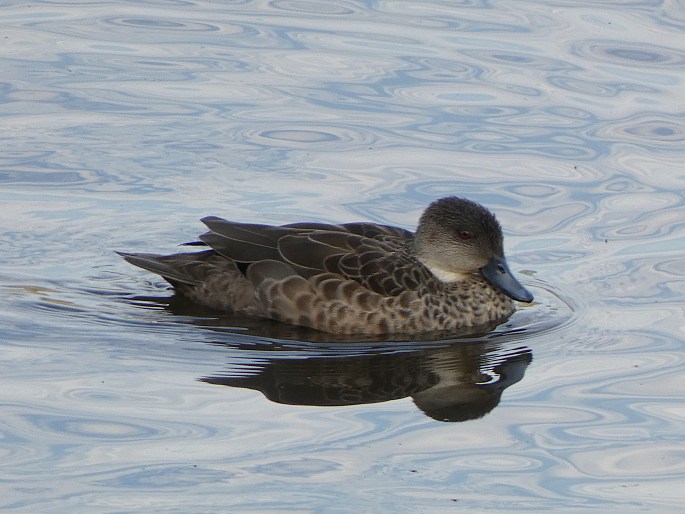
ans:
(124, 123)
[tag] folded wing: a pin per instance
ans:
(371, 255)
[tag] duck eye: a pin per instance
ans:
(465, 235)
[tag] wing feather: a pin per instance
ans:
(242, 242)
(374, 256)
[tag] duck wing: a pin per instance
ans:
(375, 230)
(381, 264)
(360, 228)
(375, 256)
(251, 242)
(242, 242)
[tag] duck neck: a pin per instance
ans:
(443, 275)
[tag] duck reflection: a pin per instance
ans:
(448, 380)
(455, 382)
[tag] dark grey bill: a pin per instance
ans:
(498, 274)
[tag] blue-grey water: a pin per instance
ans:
(123, 123)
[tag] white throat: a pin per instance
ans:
(446, 276)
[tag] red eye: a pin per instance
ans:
(465, 235)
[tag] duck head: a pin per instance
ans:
(457, 237)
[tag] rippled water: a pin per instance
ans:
(122, 123)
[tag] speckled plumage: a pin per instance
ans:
(356, 278)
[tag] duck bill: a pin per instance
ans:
(497, 272)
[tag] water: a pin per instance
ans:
(123, 123)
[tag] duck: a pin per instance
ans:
(449, 276)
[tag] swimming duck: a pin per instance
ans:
(355, 278)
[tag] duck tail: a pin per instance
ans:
(172, 268)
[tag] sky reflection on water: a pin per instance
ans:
(124, 123)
